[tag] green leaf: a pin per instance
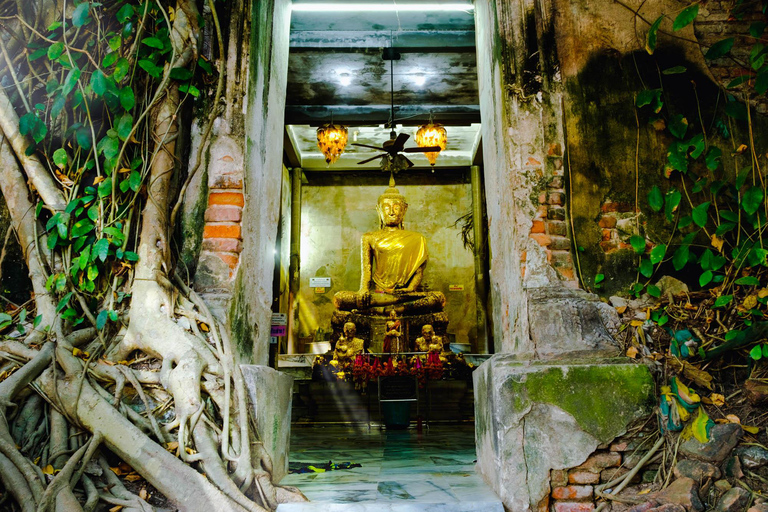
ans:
(99, 82)
(756, 353)
(29, 124)
(105, 187)
(80, 16)
(5, 320)
(638, 243)
(676, 70)
(706, 260)
(131, 256)
(697, 141)
(100, 250)
(36, 321)
(719, 49)
(685, 17)
(63, 302)
(684, 222)
(181, 74)
(705, 278)
(599, 278)
(646, 267)
(678, 125)
(655, 199)
(650, 43)
(134, 181)
(752, 199)
(671, 202)
(723, 300)
(738, 81)
(37, 54)
(124, 126)
(756, 29)
(724, 227)
(729, 215)
(713, 157)
(657, 253)
(121, 69)
(127, 99)
(110, 59)
(699, 214)
(125, 13)
(736, 110)
(761, 82)
(113, 315)
(748, 281)
(81, 227)
(654, 291)
(205, 65)
(191, 89)
(70, 81)
(55, 50)
(101, 320)
(85, 257)
(60, 158)
(150, 67)
(680, 259)
(699, 185)
(153, 42)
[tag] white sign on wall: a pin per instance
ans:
(320, 282)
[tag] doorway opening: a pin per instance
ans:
(381, 72)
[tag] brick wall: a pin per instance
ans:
(550, 228)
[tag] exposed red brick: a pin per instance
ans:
(560, 243)
(538, 226)
(221, 231)
(556, 182)
(557, 227)
(620, 446)
(583, 477)
(571, 506)
(541, 213)
(532, 161)
(230, 259)
(541, 238)
(623, 245)
(230, 198)
(223, 213)
(222, 245)
(558, 478)
(225, 181)
(609, 246)
(556, 213)
(607, 234)
(558, 163)
(523, 256)
(567, 273)
(562, 259)
(549, 256)
(607, 222)
(573, 492)
(522, 271)
(555, 149)
(543, 198)
(610, 474)
(600, 461)
(556, 198)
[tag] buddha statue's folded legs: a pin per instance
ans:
(382, 302)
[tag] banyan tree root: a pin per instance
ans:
(71, 403)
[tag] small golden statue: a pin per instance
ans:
(429, 341)
(393, 263)
(394, 342)
(347, 346)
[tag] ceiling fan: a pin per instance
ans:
(396, 143)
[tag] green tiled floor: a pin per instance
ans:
(399, 467)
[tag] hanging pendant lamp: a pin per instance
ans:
(332, 139)
(432, 134)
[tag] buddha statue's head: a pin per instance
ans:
(427, 332)
(391, 207)
(350, 330)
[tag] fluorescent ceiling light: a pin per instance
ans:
(383, 7)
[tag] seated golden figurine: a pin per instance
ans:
(347, 346)
(393, 263)
(429, 341)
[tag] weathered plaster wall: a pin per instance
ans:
(251, 307)
(333, 218)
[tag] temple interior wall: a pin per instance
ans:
(333, 218)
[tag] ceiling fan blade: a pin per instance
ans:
(428, 149)
(410, 164)
(399, 143)
(367, 146)
(371, 159)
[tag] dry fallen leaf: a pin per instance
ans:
(116, 508)
(133, 477)
(143, 493)
(632, 352)
(717, 243)
(636, 323)
(98, 179)
(645, 491)
(48, 470)
(751, 429)
(204, 327)
(732, 418)
(717, 399)
(762, 293)
(700, 377)
(741, 148)
(621, 309)
(750, 302)
(690, 306)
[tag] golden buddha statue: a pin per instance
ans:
(347, 346)
(429, 341)
(393, 263)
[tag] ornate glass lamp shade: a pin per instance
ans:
(432, 134)
(332, 139)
